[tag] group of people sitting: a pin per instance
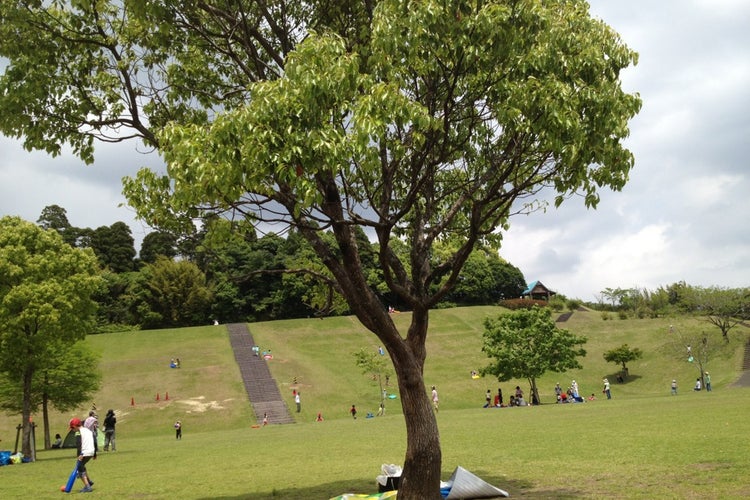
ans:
(571, 395)
(515, 399)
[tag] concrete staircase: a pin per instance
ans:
(564, 317)
(261, 387)
(744, 380)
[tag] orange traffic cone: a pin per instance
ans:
(157, 396)
(132, 401)
(166, 397)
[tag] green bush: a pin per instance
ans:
(557, 304)
(514, 304)
(573, 304)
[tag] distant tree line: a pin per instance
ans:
(723, 307)
(226, 272)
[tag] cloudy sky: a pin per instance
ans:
(685, 214)
(682, 217)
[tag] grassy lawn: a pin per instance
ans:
(643, 443)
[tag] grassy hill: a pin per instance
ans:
(318, 354)
(642, 444)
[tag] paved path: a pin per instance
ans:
(260, 385)
(744, 380)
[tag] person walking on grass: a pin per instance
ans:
(606, 389)
(435, 402)
(707, 381)
(178, 430)
(85, 450)
(109, 430)
(298, 402)
(353, 411)
(674, 388)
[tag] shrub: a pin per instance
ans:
(573, 304)
(514, 304)
(557, 304)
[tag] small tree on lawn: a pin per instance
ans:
(526, 344)
(694, 347)
(375, 365)
(623, 355)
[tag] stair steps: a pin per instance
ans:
(261, 387)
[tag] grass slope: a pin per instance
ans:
(643, 443)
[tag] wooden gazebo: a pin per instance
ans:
(537, 290)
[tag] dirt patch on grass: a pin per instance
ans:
(199, 404)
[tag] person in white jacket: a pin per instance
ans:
(86, 451)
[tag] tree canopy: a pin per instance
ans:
(623, 355)
(724, 308)
(423, 123)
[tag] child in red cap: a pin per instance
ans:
(86, 451)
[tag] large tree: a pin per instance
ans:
(45, 303)
(422, 122)
(158, 243)
(487, 279)
(526, 343)
(172, 294)
(113, 246)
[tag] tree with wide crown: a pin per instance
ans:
(427, 124)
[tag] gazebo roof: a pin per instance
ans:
(537, 287)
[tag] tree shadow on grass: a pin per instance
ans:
(612, 377)
(325, 491)
(321, 491)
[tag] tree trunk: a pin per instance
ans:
(26, 414)
(534, 390)
(45, 418)
(423, 462)
(420, 479)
